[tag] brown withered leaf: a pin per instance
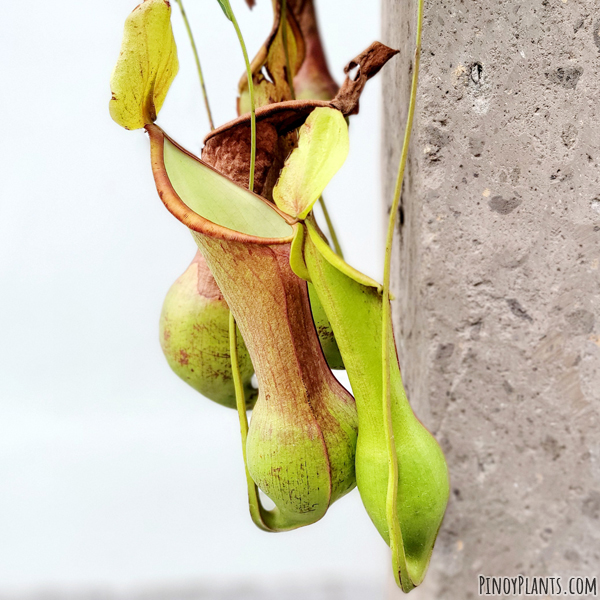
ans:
(368, 64)
(250, 3)
(269, 67)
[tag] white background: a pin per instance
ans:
(113, 471)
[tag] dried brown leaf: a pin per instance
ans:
(368, 64)
(269, 67)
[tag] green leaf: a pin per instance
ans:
(218, 199)
(322, 149)
(336, 261)
(146, 66)
(224, 4)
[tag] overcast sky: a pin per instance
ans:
(112, 470)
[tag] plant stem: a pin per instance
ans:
(266, 520)
(240, 401)
(253, 498)
(395, 533)
(198, 66)
(252, 106)
(334, 237)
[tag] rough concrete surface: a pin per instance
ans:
(498, 277)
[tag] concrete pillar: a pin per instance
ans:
(498, 277)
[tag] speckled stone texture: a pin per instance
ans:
(498, 277)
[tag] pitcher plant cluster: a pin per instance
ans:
(267, 294)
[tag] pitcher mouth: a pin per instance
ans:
(263, 222)
(284, 116)
(291, 114)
